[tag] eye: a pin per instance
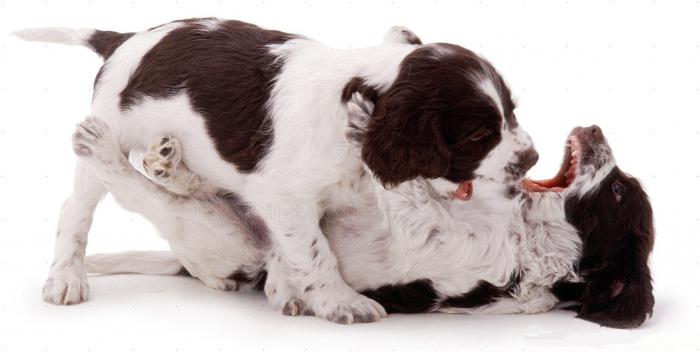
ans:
(618, 189)
(479, 135)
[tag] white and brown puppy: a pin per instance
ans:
(262, 113)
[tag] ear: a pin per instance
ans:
(621, 303)
(618, 292)
(404, 140)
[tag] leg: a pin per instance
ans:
(96, 147)
(205, 235)
(67, 282)
(310, 281)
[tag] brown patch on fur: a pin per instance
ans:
(106, 42)
(434, 121)
(357, 84)
(227, 73)
(482, 294)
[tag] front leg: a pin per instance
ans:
(310, 281)
(67, 282)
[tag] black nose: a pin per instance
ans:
(595, 133)
(529, 159)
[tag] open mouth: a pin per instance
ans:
(567, 172)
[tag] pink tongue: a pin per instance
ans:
(464, 191)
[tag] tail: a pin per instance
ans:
(102, 42)
(135, 262)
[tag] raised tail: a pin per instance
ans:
(102, 42)
(135, 262)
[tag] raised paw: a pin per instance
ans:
(354, 308)
(162, 158)
(66, 288)
(359, 114)
(401, 35)
(92, 138)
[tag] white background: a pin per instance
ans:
(630, 66)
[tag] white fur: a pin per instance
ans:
(490, 90)
(59, 35)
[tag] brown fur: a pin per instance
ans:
(618, 236)
(228, 74)
(105, 43)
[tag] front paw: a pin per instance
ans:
(347, 307)
(64, 288)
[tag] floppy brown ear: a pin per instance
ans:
(620, 303)
(619, 293)
(404, 141)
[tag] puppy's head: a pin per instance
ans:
(449, 116)
(614, 218)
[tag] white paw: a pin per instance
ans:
(279, 296)
(68, 287)
(540, 303)
(92, 140)
(401, 35)
(163, 157)
(345, 306)
(220, 284)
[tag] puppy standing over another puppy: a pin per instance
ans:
(262, 113)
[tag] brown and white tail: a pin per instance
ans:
(102, 42)
(135, 262)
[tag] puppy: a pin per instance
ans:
(261, 113)
(582, 238)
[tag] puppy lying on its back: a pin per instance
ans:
(583, 237)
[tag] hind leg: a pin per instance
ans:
(67, 281)
(205, 234)
(163, 164)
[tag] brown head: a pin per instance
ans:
(613, 216)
